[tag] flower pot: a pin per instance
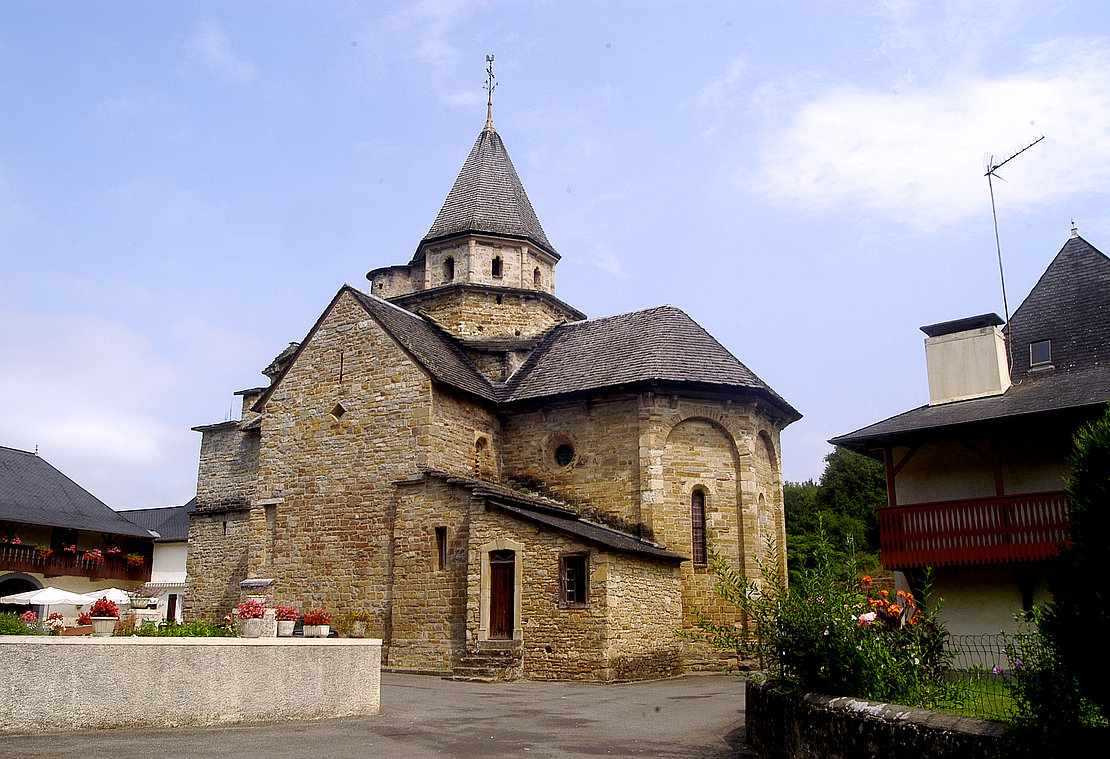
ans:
(285, 627)
(103, 627)
(250, 628)
(358, 629)
(317, 631)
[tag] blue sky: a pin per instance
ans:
(184, 186)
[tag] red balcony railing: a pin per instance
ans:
(21, 557)
(975, 531)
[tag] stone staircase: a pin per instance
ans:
(492, 661)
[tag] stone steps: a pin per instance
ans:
(490, 663)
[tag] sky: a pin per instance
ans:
(185, 185)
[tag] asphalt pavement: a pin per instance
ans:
(424, 716)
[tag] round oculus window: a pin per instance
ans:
(564, 454)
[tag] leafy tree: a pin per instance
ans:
(1077, 622)
(842, 506)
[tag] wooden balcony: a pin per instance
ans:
(1026, 527)
(24, 558)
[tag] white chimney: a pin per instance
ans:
(966, 359)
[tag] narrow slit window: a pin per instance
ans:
(441, 548)
(449, 269)
(1040, 353)
(697, 525)
(536, 278)
(496, 268)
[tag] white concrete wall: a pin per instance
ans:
(968, 364)
(57, 683)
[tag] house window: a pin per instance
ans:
(574, 581)
(697, 525)
(496, 268)
(449, 268)
(441, 548)
(1040, 353)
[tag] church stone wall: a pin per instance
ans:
(429, 601)
(466, 436)
(475, 313)
(602, 478)
(228, 466)
(329, 476)
(217, 562)
(645, 614)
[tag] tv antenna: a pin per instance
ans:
(491, 85)
(992, 168)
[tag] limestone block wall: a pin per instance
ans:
(141, 682)
(350, 417)
(473, 258)
(465, 436)
(228, 466)
(216, 563)
(603, 478)
(645, 614)
(429, 599)
(488, 313)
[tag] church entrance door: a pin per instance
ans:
(502, 570)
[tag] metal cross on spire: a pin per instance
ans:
(491, 85)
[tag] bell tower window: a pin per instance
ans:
(495, 268)
(536, 278)
(448, 269)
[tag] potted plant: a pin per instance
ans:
(103, 614)
(317, 623)
(250, 614)
(94, 556)
(133, 560)
(43, 551)
(286, 620)
(143, 599)
(359, 621)
(54, 624)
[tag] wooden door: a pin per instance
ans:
(502, 571)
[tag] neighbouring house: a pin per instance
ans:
(171, 550)
(500, 483)
(54, 532)
(975, 479)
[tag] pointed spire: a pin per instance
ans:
(491, 85)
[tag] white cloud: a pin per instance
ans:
(606, 259)
(91, 394)
(916, 156)
(209, 45)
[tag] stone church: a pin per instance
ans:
(502, 484)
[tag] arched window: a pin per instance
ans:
(496, 268)
(697, 525)
(536, 278)
(448, 268)
(481, 446)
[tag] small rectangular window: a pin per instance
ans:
(1040, 353)
(574, 581)
(441, 548)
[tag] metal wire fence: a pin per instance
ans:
(980, 669)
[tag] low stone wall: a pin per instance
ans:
(65, 683)
(814, 727)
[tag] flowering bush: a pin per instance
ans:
(71, 549)
(94, 555)
(251, 609)
(84, 618)
(43, 551)
(317, 616)
(287, 613)
(832, 635)
(29, 618)
(134, 560)
(102, 607)
(113, 551)
(55, 624)
(13, 540)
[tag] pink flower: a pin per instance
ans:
(868, 618)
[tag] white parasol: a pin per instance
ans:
(48, 596)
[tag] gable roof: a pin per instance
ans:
(170, 522)
(1069, 305)
(488, 197)
(661, 344)
(34, 492)
(552, 514)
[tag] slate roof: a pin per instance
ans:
(489, 197)
(556, 516)
(170, 522)
(661, 344)
(34, 492)
(1069, 305)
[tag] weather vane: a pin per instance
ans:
(491, 85)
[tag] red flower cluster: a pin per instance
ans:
(84, 619)
(102, 607)
(317, 616)
(898, 613)
(287, 613)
